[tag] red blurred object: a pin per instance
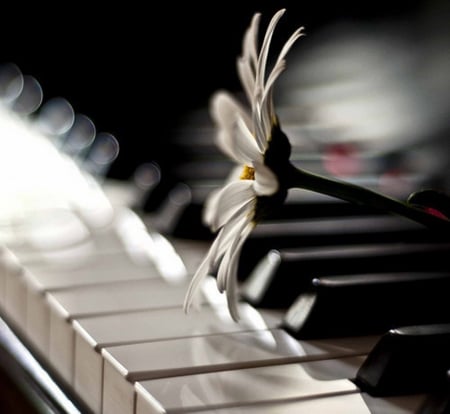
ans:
(342, 159)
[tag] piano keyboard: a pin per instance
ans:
(94, 287)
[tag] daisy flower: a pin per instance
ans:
(245, 135)
(253, 138)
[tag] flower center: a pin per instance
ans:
(248, 173)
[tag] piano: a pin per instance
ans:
(343, 308)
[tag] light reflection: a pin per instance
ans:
(30, 97)
(147, 175)
(55, 117)
(39, 182)
(11, 82)
(167, 260)
(102, 153)
(250, 318)
(144, 245)
(79, 137)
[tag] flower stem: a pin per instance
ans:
(297, 178)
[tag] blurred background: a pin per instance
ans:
(139, 70)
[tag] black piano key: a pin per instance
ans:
(329, 231)
(282, 275)
(407, 360)
(180, 213)
(438, 401)
(368, 304)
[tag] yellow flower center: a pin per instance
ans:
(248, 173)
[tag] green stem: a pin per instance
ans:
(297, 178)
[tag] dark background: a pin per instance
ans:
(136, 72)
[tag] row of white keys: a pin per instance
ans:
(61, 236)
(25, 287)
(125, 365)
(70, 314)
(249, 386)
(317, 386)
(64, 306)
(68, 347)
(345, 403)
(206, 341)
(157, 326)
(40, 296)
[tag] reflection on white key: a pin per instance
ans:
(115, 297)
(316, 386)
(126, 233)
(269, 384)
(95, 333)
(52, 228)
(137, 362)
(340, 404)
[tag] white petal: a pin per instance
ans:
(292, 39)
(247, 148)
(225, 141)
(266, 182)
(231, 281)
(247, 62)
(210, 207)
(234, 136)
(193, 288)
(274, 74)
(280, 63)
(234, 198)
(211, 201)
(246, 76)
(251, 43)
(223, 108)
(227, 265)
(264, 52)
(201, 273)
(219, 247)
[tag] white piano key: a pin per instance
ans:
(28, 290)
(94, 333)
(127, 364)
(15, 297)
(9, 266)
(259, 385)
(283, 390)
(92, 269)
(335, 404)
(115, 297)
